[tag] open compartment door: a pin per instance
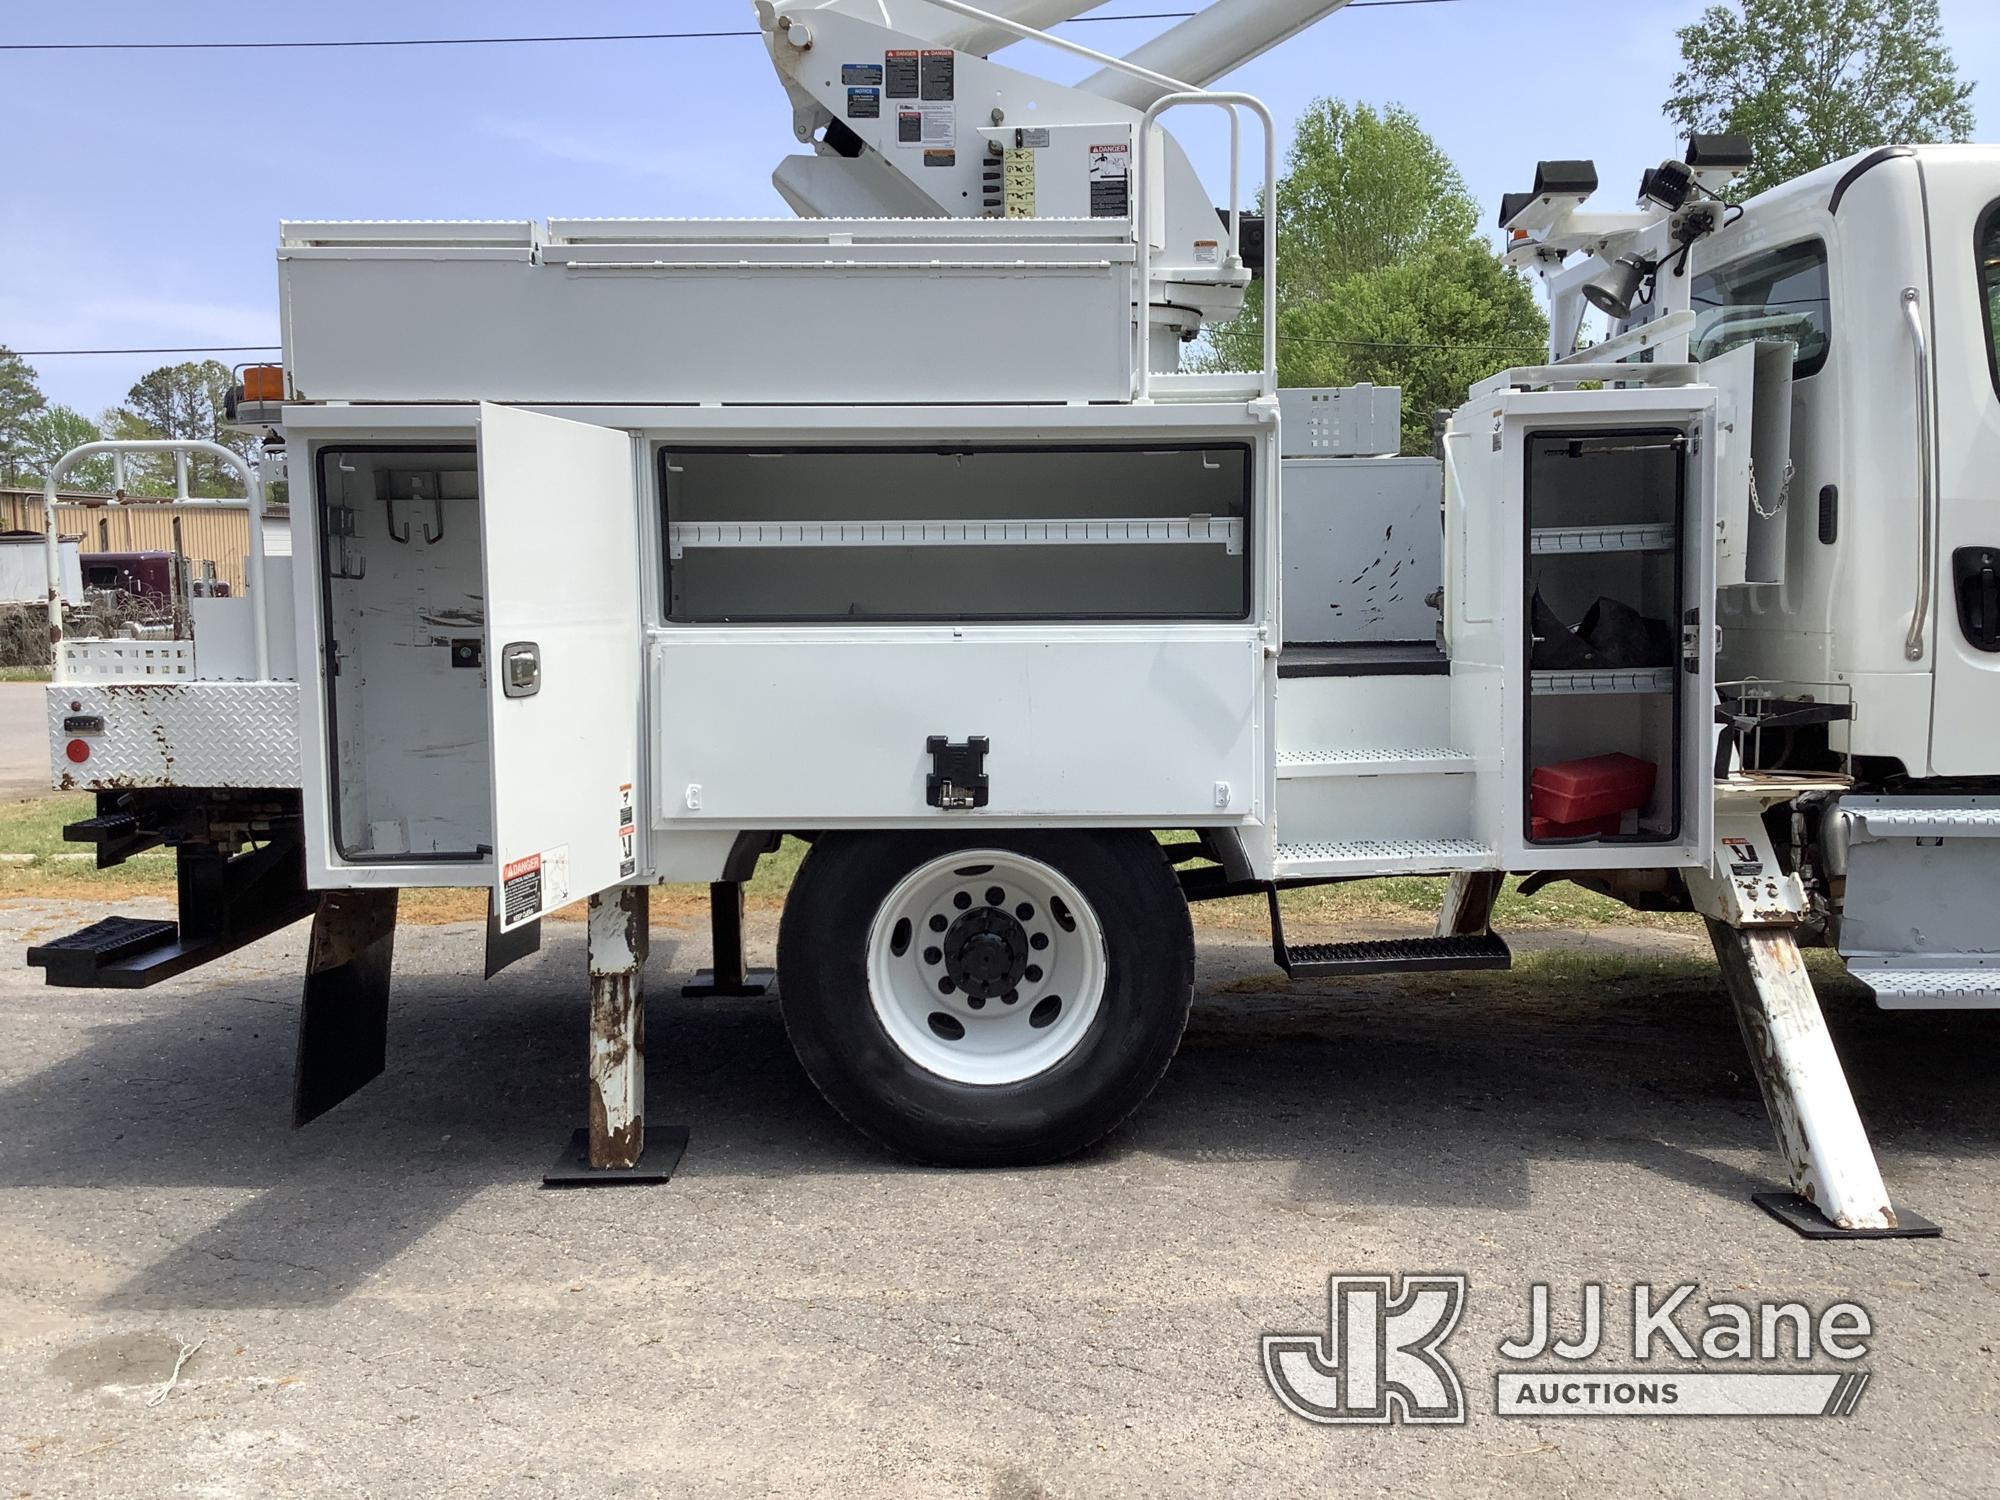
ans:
(561, 517)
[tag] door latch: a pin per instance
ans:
(957, 781)
(521, 669)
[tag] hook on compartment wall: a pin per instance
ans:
(432, 536)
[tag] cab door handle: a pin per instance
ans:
(1975, 576)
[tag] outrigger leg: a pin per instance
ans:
(730, 976)
(610, 1149)
(1753, 908)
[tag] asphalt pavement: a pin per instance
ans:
(387, 1304)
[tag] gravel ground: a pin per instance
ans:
(385, 1304)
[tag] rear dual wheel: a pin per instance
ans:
(994, 1000)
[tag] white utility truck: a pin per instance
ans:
(622, 548)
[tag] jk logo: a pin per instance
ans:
(1379, 1359)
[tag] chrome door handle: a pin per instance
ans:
(521, 669)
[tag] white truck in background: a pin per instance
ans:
(622, 548)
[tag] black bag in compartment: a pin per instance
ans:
(1557, 648)
(1620, 636)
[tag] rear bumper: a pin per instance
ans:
(186, 733)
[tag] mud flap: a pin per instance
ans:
(344, 1020)
(504, 948)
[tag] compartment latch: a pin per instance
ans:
(958, 773)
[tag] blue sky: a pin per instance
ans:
(140, 193)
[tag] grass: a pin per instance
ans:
(34, 826)
(24, 674)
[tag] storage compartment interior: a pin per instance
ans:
(404, 617)
(957, 533)
(1605, 529)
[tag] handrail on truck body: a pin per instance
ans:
(1142, 230)
(251, 501)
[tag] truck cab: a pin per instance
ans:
(1884, 271)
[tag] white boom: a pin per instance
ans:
(1215, 40)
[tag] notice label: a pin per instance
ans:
(864, 104)
(628, 833)
(1036, 138)
(855, 75)
(521, 889)
(931, 127)
(935, 71)
(1110, 181)
(899, 74)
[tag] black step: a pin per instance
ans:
(1397, 956)
(101, 830)
(81, 958)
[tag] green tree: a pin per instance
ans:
(179, 401)
(20, 400)
(1810, 81)
(51, 433)
(1382, 273)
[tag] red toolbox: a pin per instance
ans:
(1599, 786)
(1589, 828)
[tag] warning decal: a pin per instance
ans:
(521, 889)
(856, 74)
(940, 158)
(1110, 181)
(864, 104)
(628, 833)
(899, 74)
(936, 72)
(931, 127)
(555, 877)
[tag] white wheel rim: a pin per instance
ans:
(943, 956)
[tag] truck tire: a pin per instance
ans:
(986, 999)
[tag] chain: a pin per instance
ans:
(1784, 489)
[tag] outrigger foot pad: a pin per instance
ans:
(665, 1145)
(1799, 1214)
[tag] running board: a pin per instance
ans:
(1411, 955)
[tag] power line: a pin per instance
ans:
(519, 41)
(177, 349)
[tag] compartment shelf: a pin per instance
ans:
(1603, 681)
(1552, 541)
(1223, 531)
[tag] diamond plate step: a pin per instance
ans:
(1295, 765)
(1396, 956)
(1899, 987)
(1426, 856)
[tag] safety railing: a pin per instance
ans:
(250, 501)
(1142, 234)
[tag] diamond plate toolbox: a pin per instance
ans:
(193, 734)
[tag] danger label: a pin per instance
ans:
(899, 74)
(628, 833)
(521, 889)
(1110, 180)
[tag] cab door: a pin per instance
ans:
(1962, 189)
(561, 519)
